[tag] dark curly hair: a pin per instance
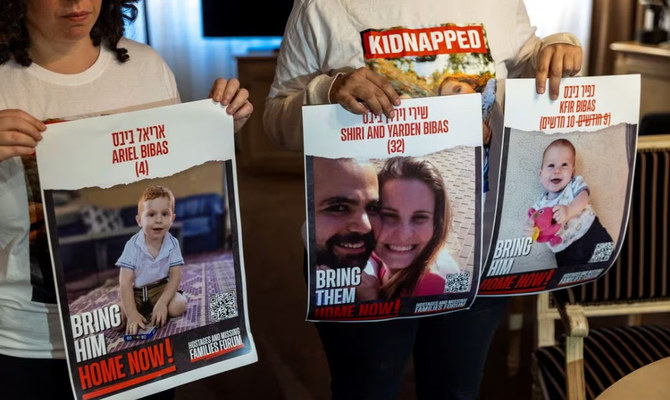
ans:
(108, 29)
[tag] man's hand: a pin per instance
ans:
(362, 91)
(234, 98)
(556, 61)
(19, 133)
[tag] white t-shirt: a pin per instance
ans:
(323, 37)
(29, 322)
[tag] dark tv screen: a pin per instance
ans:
(224, 18)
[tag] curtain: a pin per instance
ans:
(613, 21)
(175, 32)
(596, 23)
(572, 16)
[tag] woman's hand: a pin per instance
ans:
(556, 61)
(234, 98)
(19, 133)
(368, 289)
(363, 91)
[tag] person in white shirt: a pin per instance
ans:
(325, 58)
(60, 60)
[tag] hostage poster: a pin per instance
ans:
(444, 60)
(143, 226)
(565, 183)
(393, 209)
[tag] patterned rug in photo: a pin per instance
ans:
(208, 282)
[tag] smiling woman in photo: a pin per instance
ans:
(415, 215)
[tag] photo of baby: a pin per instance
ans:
(565, 202)
(563, 199)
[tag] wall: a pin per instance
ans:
(206, 178)
(175, 31)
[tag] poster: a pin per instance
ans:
(444, 60)
(152, 192)
(565, 184)
(393, 209)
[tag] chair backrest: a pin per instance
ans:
(639, 281)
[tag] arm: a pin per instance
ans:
(562, 214)
(159, 314)
(553, 57)
(19, 133)
(135, 320)
(300, 79)
(234, 98)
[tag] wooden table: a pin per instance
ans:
(651, 382)
(653, 63)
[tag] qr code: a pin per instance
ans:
(223, 306)
(459, 282)
(602, 252)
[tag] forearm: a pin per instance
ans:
(282, 117)
(580, 202)
(126, 282)
(526, 62)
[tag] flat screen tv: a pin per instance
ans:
(244, 18)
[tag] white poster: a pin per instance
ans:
(144, 231)
(565, 183)
(393, 209)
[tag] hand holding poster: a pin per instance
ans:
(565, 184)
(393, 209)
(150, 295)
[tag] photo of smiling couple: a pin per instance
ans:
(390, 229)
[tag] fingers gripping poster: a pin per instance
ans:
(565, 184)
(143, 224)
(393, 209)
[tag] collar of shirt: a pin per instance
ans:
(164, 251)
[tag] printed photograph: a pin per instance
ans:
(406, 224)
(153, 258)
(563, 199)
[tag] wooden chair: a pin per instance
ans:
(586, 362)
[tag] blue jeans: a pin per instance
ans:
(367, 360)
